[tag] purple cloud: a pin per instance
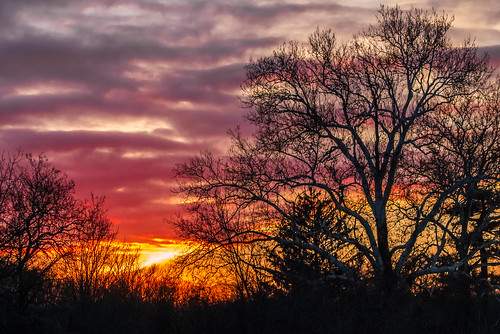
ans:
(115, 93)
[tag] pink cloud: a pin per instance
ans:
(66, 88)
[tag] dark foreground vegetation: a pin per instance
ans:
(315, 311)
(360, 312)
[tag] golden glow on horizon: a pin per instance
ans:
(159, 250)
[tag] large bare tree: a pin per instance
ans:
(347, 121)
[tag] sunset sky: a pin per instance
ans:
(115, 93)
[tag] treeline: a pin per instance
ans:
(62, 271)
(59, 254)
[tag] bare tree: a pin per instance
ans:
(230, 270)
(342, 119)
(37, 220)
(461, 157)
(89, 260)
(314, 218)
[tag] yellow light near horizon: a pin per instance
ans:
(158, 256)
(162, 252)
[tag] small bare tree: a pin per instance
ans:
(231, 270)
(85, 267)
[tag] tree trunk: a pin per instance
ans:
(387, 277)
(483, 255)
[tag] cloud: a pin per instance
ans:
(115, 93)
(211, 86)
(73, 140)
(493, 51)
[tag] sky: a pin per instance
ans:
(116, 93)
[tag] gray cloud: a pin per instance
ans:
(117, 92)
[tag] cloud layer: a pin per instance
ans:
(115, 93)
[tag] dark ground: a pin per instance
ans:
(306, 312)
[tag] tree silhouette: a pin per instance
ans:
(461, 147)
(89, 259)
(312, 221)
(346, 120)
(223, 258)
(37, 220)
